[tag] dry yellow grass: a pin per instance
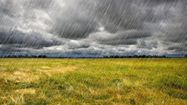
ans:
(93, 81)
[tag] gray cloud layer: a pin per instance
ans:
(86, 26)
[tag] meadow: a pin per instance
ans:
(133, 81)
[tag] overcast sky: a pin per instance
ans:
(93, 27)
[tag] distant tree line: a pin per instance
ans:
(111, 56)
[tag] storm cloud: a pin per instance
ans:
(94, 27)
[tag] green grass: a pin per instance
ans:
(93, 81)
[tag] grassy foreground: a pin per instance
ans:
(93, 81)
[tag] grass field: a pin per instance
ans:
(93, 81)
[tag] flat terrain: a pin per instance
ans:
(93, 81)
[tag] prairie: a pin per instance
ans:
(93, 81)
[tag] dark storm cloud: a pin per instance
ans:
(121, 14)
(8, 48)
(40, 4)
(74, 29)
(129, 37)
(75, 20)
(158, 25)
(26, 39)
(147, 44)
(178, 47)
